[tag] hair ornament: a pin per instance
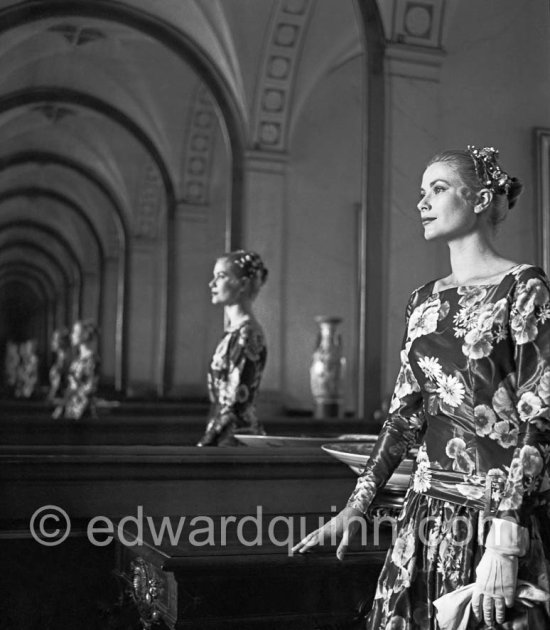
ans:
(489, 172)
(250, 263)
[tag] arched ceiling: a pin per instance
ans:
(99, 98)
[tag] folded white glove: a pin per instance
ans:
(453, 609)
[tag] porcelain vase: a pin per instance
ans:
(327, 370)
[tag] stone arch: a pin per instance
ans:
(120, 225)
(187, 49)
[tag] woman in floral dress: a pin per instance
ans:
(80, 394)
(59, 370)
(473, 392)
(239, 360)
(27, 370)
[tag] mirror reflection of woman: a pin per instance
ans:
(239, 360)
(473, 392)
(80, 394)
(27, 370)
(11, 366)
(59, 370)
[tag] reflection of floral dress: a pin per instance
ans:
(474, 391)
(27, 375)
(82, 386)
(58, 374)
(233, 380)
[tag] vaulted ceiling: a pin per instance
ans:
(109, 115)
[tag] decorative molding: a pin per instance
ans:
(421, 23)
(260, 161)
(77, 35)
(275, 85)
(146, 590)
(199, 149)
(189, 212)
(418, 22)
(52, 112)
(412, 62)
(148, 203)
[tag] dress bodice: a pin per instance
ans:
(473, 391)
(462, 351)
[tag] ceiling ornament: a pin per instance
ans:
(280, 62)
(52, 112)
(78, 35)
(199, 150)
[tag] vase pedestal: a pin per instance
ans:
(331, 409)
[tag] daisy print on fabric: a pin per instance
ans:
(446, 391)
(422, 479)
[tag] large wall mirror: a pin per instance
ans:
(139, 140)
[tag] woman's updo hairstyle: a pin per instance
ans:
(248, 264)
(89, 330)
(63, 338)
(478, 168)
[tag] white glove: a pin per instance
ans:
(495, 585)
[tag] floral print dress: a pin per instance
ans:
(473, 392)
(59, 373)
(233, 381)
(80, 394)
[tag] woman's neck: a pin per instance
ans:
(236, 314)
(474, 259)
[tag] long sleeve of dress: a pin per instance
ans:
(399, 432)
(530, 333)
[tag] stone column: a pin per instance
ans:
(263, 231)
(413, 58)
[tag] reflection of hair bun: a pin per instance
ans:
(89, 330)
(248, 264)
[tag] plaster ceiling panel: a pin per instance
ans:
(111, 65)
(107, 141)
(120, 68)
(322, 55)
(59, 147)
(205, 24)
(245, 25)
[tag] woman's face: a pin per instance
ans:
(446, 206)
(76, 334)
(226, 287)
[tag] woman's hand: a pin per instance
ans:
(342, 526)
(497, 571)
(495, 586)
